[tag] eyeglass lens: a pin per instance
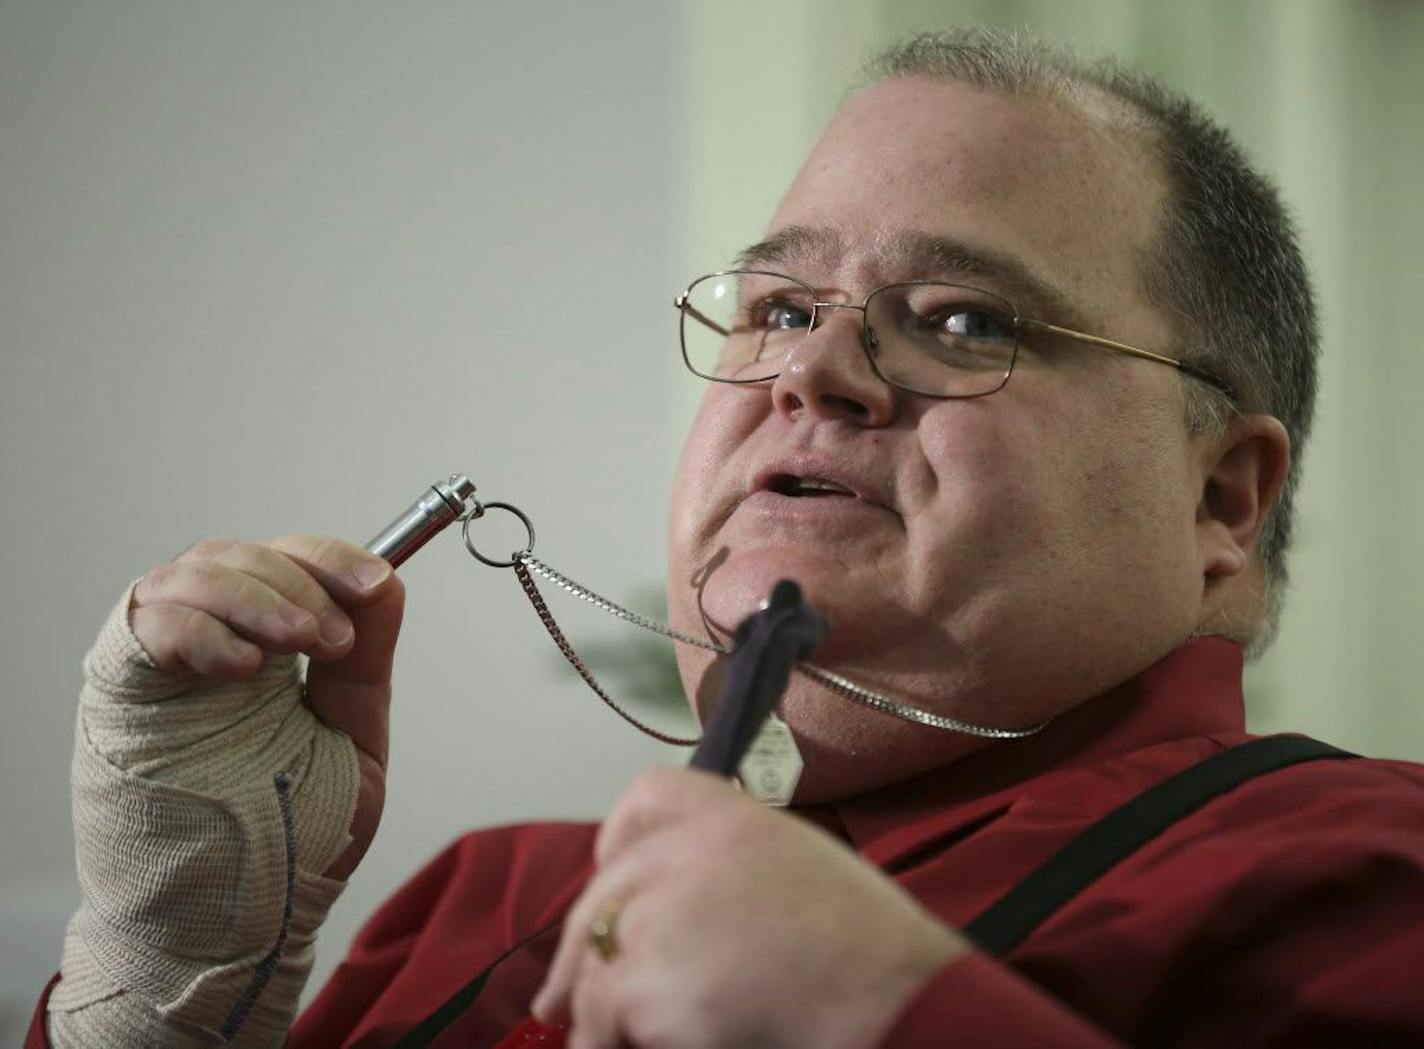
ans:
(943, 340)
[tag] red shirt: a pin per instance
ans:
(1288, 912)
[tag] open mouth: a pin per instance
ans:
(807, 487)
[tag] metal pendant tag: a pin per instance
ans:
(773, 764)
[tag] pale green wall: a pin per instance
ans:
(1324, 93)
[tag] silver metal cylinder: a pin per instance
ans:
(438, 506)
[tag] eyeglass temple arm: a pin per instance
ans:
(1182, 366)
(682, 304)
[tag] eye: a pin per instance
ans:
(780, 315)
(948, 314)
(971, 322)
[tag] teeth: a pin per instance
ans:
(815, 484)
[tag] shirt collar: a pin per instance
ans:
(1194, 690)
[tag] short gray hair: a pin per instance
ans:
(1227, 249)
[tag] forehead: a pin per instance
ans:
(908, 253)
(1057, 189)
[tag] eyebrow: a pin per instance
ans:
(923, 254)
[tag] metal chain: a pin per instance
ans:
(886, 705)
(563, 582)
(521, 569)
(837, 683)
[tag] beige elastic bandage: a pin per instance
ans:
(203, 817)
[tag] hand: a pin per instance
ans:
(218, 609)
(737, 926)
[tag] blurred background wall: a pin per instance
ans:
(273, 267)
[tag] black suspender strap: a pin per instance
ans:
(1006, 923)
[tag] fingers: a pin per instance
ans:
(292, 595)
(183, 640)
(575, 991)
(635, 848)
(246, 605)
(350, 575)
(593, 1008)
(657, 798)
(295, 589)
(595, 1016)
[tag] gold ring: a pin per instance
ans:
(603, 933)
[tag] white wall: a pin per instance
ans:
(276, 267)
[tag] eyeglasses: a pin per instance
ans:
(927, 337)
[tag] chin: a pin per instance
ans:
(735, 586)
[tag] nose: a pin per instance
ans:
(828, 375)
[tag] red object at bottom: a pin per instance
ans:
(532, 1034)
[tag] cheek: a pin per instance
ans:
(985, 477)
(702, 488)
(1051, 496)
(1115, 525)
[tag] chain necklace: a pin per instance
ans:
(526, 566)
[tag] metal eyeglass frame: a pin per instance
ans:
(868, 338)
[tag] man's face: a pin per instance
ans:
(1002, 558)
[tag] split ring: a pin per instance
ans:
(476, 512)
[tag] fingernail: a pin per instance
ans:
(336, 630)
(371, 574)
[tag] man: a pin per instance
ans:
(1011, 388)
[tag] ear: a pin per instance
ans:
(1243, 471)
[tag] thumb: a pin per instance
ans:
(353, 693)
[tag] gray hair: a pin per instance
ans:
(1226, 251)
